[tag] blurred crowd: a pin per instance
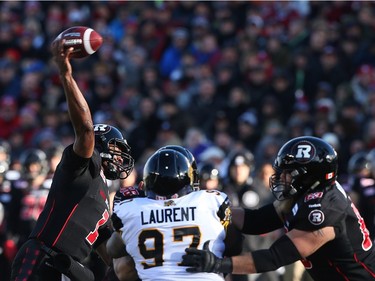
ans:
(229, 80)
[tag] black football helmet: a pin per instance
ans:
(105, 136)
(371, 159)
(208, 171)
(167, 174)
(191, 159)
(359, 163)
(245, 157)
(33, 156)
(311, 162)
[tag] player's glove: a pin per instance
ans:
(205, 261)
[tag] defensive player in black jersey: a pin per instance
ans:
(75, 218)
(324, 228)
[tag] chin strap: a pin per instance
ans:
(111, 172)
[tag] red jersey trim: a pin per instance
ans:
(364, 266)
(62, 229)
(47, 220)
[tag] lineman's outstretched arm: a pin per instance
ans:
(263, 220)
(289, 248)
(233, 241)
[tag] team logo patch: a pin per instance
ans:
(313, 196)
(169, 203)
(304, 151)
(100, 129)
(228, 217)
(316, 217)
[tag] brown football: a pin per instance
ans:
(84, 40)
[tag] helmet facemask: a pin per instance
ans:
(115, 152)
(283, 187)
(117, 163)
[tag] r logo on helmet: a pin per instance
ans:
(100, 129)
(304, 152)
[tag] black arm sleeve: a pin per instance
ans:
(282, 252)
(262, 220)
(233, 241)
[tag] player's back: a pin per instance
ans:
(156, 232)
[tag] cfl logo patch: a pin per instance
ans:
(316, 217)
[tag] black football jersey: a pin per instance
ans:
(351, 255)
(365, 189)
(77, 205)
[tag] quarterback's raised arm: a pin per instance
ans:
(78, 108)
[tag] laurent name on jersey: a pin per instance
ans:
(168, 215)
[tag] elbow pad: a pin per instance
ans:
(262, 220)
(282, 252)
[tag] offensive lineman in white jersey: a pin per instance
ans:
(157, 228)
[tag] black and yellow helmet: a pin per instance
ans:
(191, 159)
(168, 174)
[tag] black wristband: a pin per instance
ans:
(262, 220)
(224, 265)
(282, 252)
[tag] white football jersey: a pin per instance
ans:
(156, 232)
